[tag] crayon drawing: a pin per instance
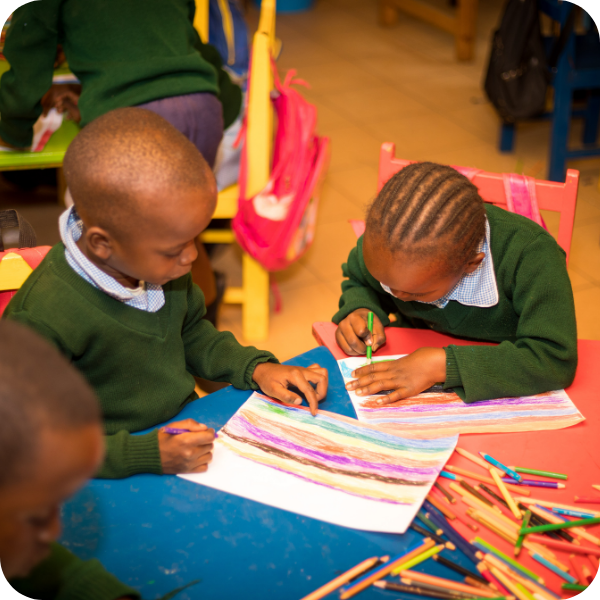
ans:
(440, 414)
(375, 479)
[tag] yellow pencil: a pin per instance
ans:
(506, 494)
(465, 495)
(508, 583)
(334, 584)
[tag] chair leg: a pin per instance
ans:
(507, 137)
(592, 118)
(255, 309)
(561, 120)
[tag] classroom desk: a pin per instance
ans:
(159, 533)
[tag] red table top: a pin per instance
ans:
(574, 451)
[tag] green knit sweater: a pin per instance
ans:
(63, 576)
(140, 364)
(124, 53)
(533, 322)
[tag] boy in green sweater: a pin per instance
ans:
(116, 297)
(437, 258)
(50, 444)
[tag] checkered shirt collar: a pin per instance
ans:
(147, 297)
(478, 288)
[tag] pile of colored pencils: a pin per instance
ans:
(540, 527)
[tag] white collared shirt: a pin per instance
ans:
(478, 288)
(148, 297)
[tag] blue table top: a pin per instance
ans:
(158, 533)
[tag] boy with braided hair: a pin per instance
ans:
(434, 255)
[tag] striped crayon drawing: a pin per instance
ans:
(441, 414)
(335, 451)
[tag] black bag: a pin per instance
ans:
(518, 74)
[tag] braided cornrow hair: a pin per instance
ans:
(428, 209)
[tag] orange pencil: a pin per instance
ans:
(447, 584)
(519, 489)
(440, 506)
(475, 459)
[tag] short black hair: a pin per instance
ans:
(429, 210)
(39, 390)
(122, 153)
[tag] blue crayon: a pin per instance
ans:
(502, 467)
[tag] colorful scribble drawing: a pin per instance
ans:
(442, 414)
(335, 451)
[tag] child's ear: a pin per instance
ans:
(474, 262)
(99, 243)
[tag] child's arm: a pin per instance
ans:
(30, 48)
(63, 575)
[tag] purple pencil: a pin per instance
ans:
(535, 483)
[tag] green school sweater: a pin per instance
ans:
(124, 53)
(140, 364)
(63, 576)
(533, 322)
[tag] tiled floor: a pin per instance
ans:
(402, 85)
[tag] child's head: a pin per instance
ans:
(51, 442)
(144, 193)
(423, 230)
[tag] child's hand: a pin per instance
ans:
(407, 376)
(353, 336)
(274, 380)
(186, 452)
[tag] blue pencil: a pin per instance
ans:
(448, 475)
(502, 467)
(572, 513)
(553, 568)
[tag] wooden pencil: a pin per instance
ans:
(467, 486)
(493, 527)
(439, 505)
(416, 560)
(426, 533)
(473, 458)
(334, 584)
(593, 558)
(556, 526)
(518, 489)
(543, 518)
(442, 560)
(418, 590)
(446, 583)
(551, 504)
(469, 499)
(586, 500)
(467, 523)
(508, 584)
(445, 492)
(564, 546)
(505, 493)
(497, 515)
(577, 572)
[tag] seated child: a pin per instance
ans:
(50, 444)
(117, 298)
(439, 258)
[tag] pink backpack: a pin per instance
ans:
(277, 225)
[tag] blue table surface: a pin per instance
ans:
(158, 533)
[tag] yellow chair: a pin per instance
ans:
(253, 295)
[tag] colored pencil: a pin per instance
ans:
(528, 583)
(438, 589)
(577, 569)
(543, 517)
(507, 559)
(384, 570)
(444, 491)
(417, 590)
(587, 574)
(579, 531)
(493, 494)
(442, 560)
(446, 583)
(596, 487)
(507, 583)
(468, 498)
(492, 515)
(473, 458)
(509, 499)
(572, 513)
(493, 526)
(563, 574)
(467, 523)
(445, 511)
(551, 504)
(428, 523)
(461, 543)
(370, 328)
(486, 573)
(458, 471)
(564, 546)
(593, 558)
(501, 467)
(448, 475)
(555, 526)
(586, 500)
(573, 587)
(475, 493)
(334, 584)
(433, 536)
(535, 483)
(540, 473)
(417, 560)
(519, 543)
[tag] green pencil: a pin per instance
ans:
(521, 537)
(557, 526)
(575, 587)
(370, 326)
(429, 524)
(508, 559)
(540, 473)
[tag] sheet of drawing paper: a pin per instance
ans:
(327, 467)
(441, 414)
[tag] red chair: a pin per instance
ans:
(556, 197)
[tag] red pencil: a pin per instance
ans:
(583, 500)
(577, 572)
(594, 560)
(560, 545)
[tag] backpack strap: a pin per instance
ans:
(521, 197)
(12, 219)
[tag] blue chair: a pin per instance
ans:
(578, 68)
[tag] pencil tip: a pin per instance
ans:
(379, 584)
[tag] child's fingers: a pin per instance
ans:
(370, 370)
(396, 395)
(355, 344)
(298, 379)
(375, 386)
(319, 376)
(378, 334)
(341, 341)
(188, 424)
(197, 439)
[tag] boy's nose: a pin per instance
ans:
(52, 530)
(189, 255)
